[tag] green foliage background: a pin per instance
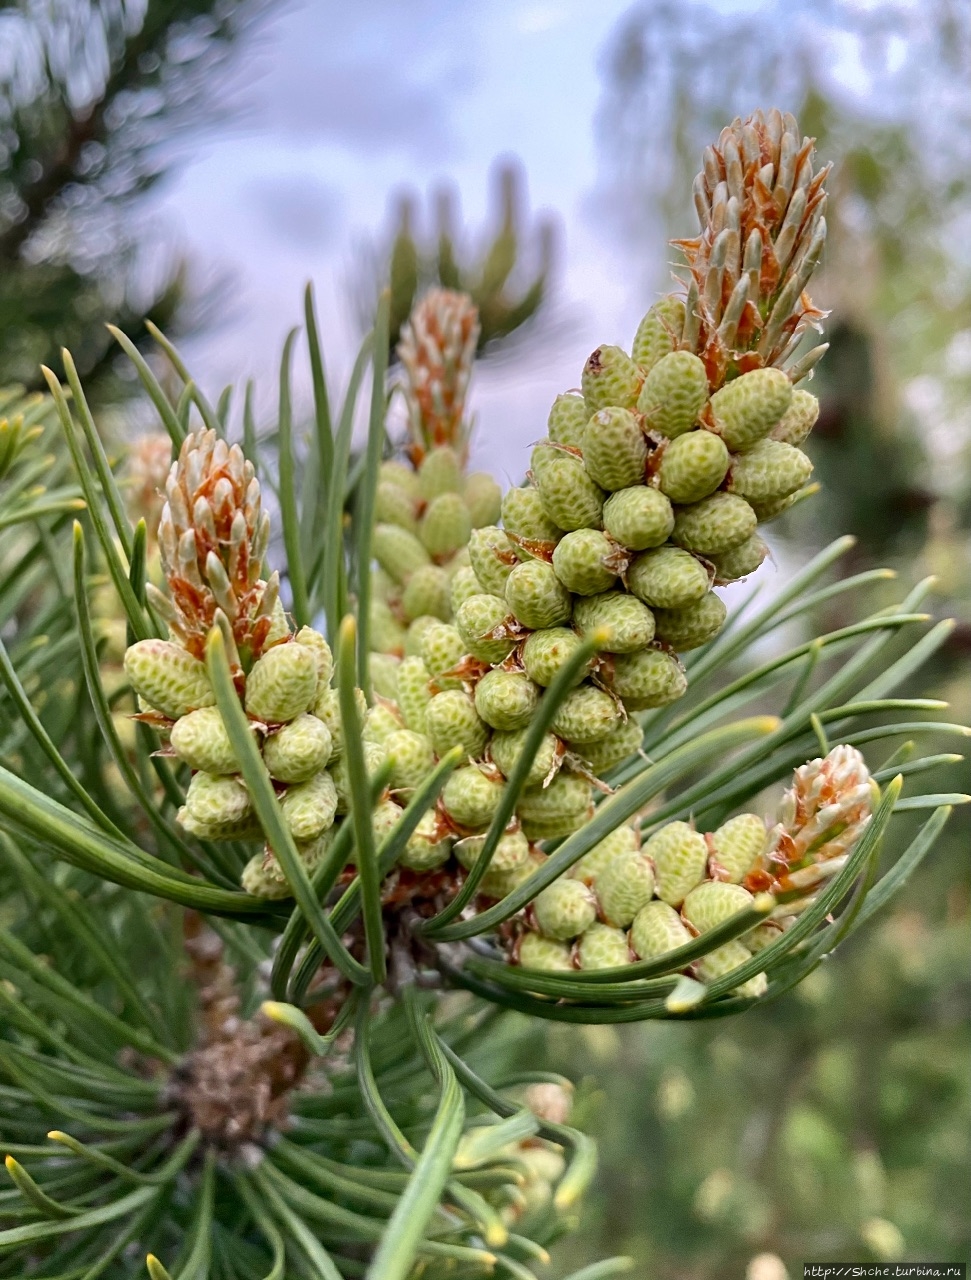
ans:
(93, 100)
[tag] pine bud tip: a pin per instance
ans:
(215, 644)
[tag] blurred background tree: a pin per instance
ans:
(94, 95)
(507, 269)
(834, 1125)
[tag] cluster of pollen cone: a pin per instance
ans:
(645, 497)
(212, 537)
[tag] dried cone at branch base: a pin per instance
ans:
(235, 1086)
(626, 900)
